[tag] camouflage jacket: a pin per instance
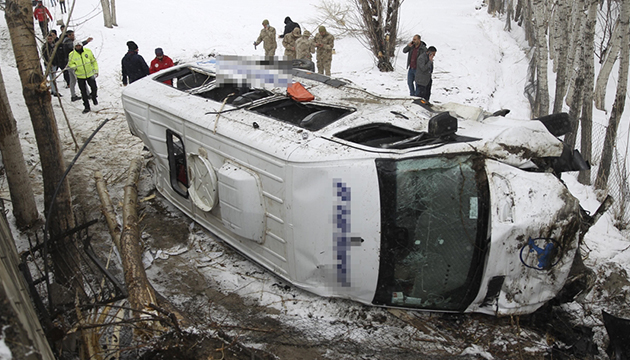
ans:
(325, 44)
(289, 44)
(268, 38)
(304, 47)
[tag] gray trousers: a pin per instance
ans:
(73, 82)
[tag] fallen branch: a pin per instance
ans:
(107, 208)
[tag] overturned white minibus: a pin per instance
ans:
(386, 201)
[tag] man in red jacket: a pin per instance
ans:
(42, 15)
(161, 62)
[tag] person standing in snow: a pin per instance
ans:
(62, 6)
(324, 42)
(48, 50)
(289, 25)
(414, 50)
(84, 64)
(268, 38)
(423, 73)
(289, 43)
(133, 65)
(67, 43)
(304, 46)
(42, 15)
(161, 62)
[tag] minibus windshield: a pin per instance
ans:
(434, 213)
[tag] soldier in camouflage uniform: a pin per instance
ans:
(324, 42)
(268, 38)
(304, 46)
(289, 43)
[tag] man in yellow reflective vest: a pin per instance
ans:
(82, 61)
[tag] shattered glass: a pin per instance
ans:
(430, 241)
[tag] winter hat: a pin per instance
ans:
(132, 46)
(322, 29)
(77, 42)
(306, 34)
(159, 52)
(265, 22)
(296, 31)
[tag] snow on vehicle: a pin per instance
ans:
(386, 201)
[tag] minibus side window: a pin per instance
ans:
(177, 163)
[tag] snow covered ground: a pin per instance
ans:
(477, 63)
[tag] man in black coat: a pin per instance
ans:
(53, 60)
(289, 25)
(133, 65)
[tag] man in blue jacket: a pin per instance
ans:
(133, 65)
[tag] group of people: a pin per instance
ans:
(134, 67)
(298, 44)
(78, 64)
(420, 65)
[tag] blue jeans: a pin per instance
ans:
(411, 76)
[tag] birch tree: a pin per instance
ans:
(607, 65)
(542, 88)
(586, 120)
(620, 100)
(560, 50)
(109, 13)
(19, 15)
(22, 199)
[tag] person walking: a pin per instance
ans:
(414, 49)
(84, 64)
(42, 15)
(133, 65)
(53, 58)
(62, 6)
(304, 46)
(324, 43)
(289, 25)
(68, 74)
(424, 72)
(268, 38)
(161, 62)
(289, 43)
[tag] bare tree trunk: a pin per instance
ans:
(587, 102)
(509, 15)
(577, 24)
(22, 199)
(561, 35)
(113, 9)
(575, 109)
(141, 293)
(542, 87)
(607, 66)
(19, 15)
(107, 14)
(603, 172)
